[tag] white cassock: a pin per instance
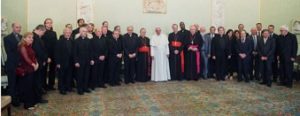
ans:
(160, 64)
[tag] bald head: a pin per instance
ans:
(67, 33)
(253, 31)
(16, 27)
(158, 30)
(130, 30)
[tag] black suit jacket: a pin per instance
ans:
(220, 46)
(266, 49)
(287, 46)
(50, 39)
(130, 44)
(39, 48)
(99, 47)
(245, 47)
(82, 50)
(11, 49)
(63, 52)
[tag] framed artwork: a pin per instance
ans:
(155, 6)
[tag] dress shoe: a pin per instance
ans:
(102, 86)
(43, 101)
(87, 91)
(63, 92)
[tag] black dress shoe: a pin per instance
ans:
(289, 86)
(102, 86)
(80, 93)
(87, 91)
(269, 85)
(117, 84)
(15, 103)
(281, 84)
(262, 83)
(43, 101)
(63, 92)
(51, 89)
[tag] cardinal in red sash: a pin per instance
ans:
(143, 58)
(176, 58)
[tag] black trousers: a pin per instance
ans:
(255, 67)
(243, 68)
(64, 78)
(49, 80)
(28, 94)
(212, 67)
(83, 76)
(98, 74)
(286, 69)
(175, 67)
(38, 81)
(266, 71)
(12, 84)
(275, 68)
(114, 70)
(130, 65)
(221, 67)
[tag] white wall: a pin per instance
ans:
(130, 12)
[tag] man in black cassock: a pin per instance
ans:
(244, 49)
(287, 47)
(49, 39)
(41, 54)
(115, 58)
(220, 51)
(184, 33)
(143, 70)
(63, 56)
(83, 60)
(176, 56)
(130, 47)
(100, 51)
(80, 22)
(192, 51)
(266, 49)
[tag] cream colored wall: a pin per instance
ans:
(15, 11)
(130, 12)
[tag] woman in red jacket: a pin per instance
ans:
(27, 66)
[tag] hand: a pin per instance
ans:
(92, 62)
(293, 59)
(208, 56)
(190, 48)
(77, 65)
(119, 55)
(134, 54)
(176, 52)
(102, 58)
(229, 56)
(254, 53)
(58, 66)
(44, 63)
(195, 49)
(35, 66)
(214, 57)
(49, 60)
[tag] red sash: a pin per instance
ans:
(197, 57)
(144, 49)
(176, 44)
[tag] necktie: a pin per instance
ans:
(17, 37)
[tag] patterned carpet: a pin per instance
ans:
(185, 98)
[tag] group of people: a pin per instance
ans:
(89, 57)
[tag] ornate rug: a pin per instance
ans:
(175, 98)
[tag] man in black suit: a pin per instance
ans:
(100, 51)
(11, 48)
(287, 47)
(39, 48)
(244, 50)
(83, 60)
(184, 33)
(275, 64)
(63, 56)
(80, 22)
(266, 49)
(105, 24)
(254, 56)
(130, 47)
(220, 51)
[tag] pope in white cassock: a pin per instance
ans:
(160, 53)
